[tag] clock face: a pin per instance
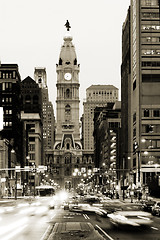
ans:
(67, 76)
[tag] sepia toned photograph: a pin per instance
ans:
(79, 120)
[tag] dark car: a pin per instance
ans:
(147, 205)
(156, 209)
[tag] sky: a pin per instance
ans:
(32, 31)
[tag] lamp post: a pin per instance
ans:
(17, 169)
(123, 179)
(16, 186)
(131, 186)
(27, 173)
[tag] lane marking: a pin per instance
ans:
(154, 228)
(53, 216)
(49, 228)
(86, 216)
(104, 232)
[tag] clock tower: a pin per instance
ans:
(67, 148)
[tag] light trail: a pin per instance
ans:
(154, 228)
(15, 232)
(17, 225)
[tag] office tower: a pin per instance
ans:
(96, 95)
(144, 91)
(40, 77)
(10, 102)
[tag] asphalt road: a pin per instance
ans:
(34, 220)
(105, 228)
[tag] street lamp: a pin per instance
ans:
(131, 186)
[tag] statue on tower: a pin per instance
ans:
(67, 25)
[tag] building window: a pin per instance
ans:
(146, 113)
(134, 132)
(149, 128)
(134, 117)
(67, 93)
(149, 2)
(31, 147)
(14, 74)
(32, 156)
(156, 113)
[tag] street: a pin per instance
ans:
(23, 220)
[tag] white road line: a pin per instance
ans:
(154, 228)
(86, 216)
(47, 230)
(53, 216)
(104, 232)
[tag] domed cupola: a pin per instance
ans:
(67, 55)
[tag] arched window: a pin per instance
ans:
(67, 109)
(39, 80)
(67, 112)
(67, 93)
(68, 146)
(60, 61)
(75, 61)
(67, 159)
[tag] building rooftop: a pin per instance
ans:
(101, 87)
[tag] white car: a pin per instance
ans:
(131, 218)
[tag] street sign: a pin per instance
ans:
(17, 168)
(42, 168)
(26, 168)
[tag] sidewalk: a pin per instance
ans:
(135, 200)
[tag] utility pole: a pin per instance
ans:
(123, 179)
(16, 186)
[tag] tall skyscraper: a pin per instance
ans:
(144, 88)
(67, 148)
(126, 83)
(96, 96)
(40, 77)
(10, 102)
(31, 118)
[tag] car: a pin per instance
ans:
(65, 205)
(75, 230)
(52, 204)
(91, 199)
(73, 207)
(130, 218)
(147, 205)
(156, 209)
(90, 209)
